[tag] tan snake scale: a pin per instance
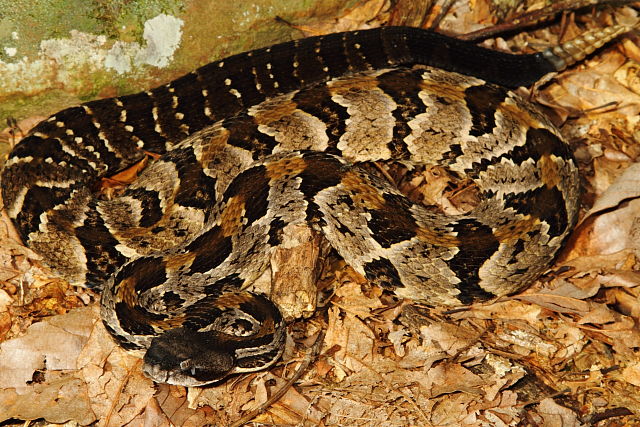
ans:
(274, 137)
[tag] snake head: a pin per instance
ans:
(185, 357)
(247, 334)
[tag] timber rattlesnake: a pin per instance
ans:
(268, 138)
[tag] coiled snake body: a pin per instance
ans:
(273, 137)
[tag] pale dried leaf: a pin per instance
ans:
(625, 188)
(397, 338)
(294, 271)
(118, 390)
(613, 223)
(558, 303)
(52, 348)
(51, 345)
(575, 288)
(556, 415)
(354, 338)
(351, 299)
(448, 337)
(292, 408)
(599, 314)
(59, 400)
(631, 374)
(358, 17)
(502, 310)
(448, 378)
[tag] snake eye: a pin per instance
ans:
(188, 366)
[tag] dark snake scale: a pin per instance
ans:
(274, 137)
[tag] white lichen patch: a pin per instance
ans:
(120, 56)
(162, 35)
(80, 52)
(68, 61)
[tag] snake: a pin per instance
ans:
(280, 136)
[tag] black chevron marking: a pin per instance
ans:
(383, 273)
(317, 102)
(483, 101)
(391, 224)
(477, 244)
(103, 258)
(211, 248)
(403, 86)
(150, 203)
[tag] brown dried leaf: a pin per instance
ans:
(448, 378)
(437, 186)
(292, 409)
(556, 415)
(578, 288)
(109, 187)
(37, 370)
(351, 299)
(506, 310)
(612, 225)
(48, 346)
(170, 405)
(14, 134)
(448, 337)
(59, 400)
(557, 303)
(294, 271)
(354, 339)
(359, 17)
(624, 189)
(631, 373)
(115, 383)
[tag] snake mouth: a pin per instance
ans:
(156, 373)
(160, 374)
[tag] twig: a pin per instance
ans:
(540, 399)
(310, 356)
(535, 17)
(121, 386)
(609, 413)
(443, 12)
(14, 129)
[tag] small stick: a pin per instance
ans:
(443, 12)
(310, 356)
(535, 17)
